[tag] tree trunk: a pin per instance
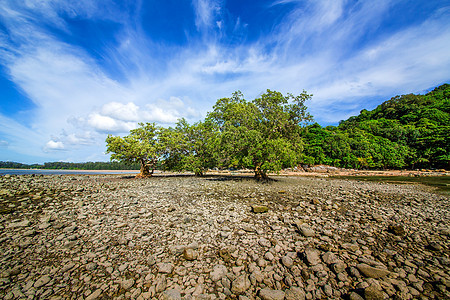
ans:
(145, 170)
(260, 174)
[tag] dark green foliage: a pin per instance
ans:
(407, 131)
(263, 134)
(189, 147)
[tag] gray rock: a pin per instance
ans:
(160, 283)
(287, 261)
(190, 254)
(171, 294)
(44, 225)
(218, 272)
(355, 296)
(123, 267)
(30, 232)
(257, 276)
(295, 293)
(354, 272)
(328, 290)
(127, 284)
(194, 245)
(248, 228)
(373, 293)
(43, 280)
(24, 223)
(70, 229)
(264, 242)
(226, 282)
(306, 231)
(95, 295)
(240, 285)
(330, 258)
(269, 294)
(91, 266)
(350, 247)
(151, 260)
(269, 256)
(338, 267)
(342, 276)
(312, 256)
(177, 249)
(372, 272)
(165, 268)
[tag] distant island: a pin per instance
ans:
(99, 165)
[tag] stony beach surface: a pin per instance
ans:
(181, 237)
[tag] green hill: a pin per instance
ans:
(409, 131)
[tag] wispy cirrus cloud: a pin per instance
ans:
(207, 13)
(84, 86)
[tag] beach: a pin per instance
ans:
(220, 236)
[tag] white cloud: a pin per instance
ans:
(54, 145)
(124, 112)
(108, 125)
(115, 117)
(78, 139)
(206, 12)
(320, 46)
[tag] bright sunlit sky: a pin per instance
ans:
(72, 72)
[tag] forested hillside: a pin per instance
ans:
(409, 131)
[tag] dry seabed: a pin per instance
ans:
(111, 237)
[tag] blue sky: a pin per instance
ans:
(73, 71)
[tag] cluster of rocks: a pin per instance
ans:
(321, 169)
(170, 237)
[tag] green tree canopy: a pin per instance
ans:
(189, 147)
(263, 134)
(141, 146)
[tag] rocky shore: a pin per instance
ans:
(181, 237)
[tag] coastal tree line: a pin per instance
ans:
(99, 165)
(276, 131)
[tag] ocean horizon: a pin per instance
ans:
(63, 172)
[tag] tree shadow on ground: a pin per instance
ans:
(239, 178)
(210, 177)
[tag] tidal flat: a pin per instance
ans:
(182, 237)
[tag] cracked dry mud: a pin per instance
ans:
(181, 237)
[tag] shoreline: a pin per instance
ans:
(326, 172)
